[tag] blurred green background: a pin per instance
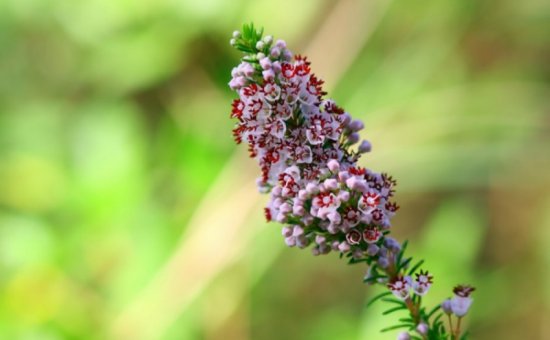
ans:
(126, 211)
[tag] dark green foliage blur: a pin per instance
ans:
(127, 212)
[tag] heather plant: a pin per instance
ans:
(308, 149)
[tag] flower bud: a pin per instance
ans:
(372, 250)
(346, 119)
(343, 176)
(446, 307)
(277, 203)
(324, 248)
(332, 229)
(276, 191)
(275, 52)
(234, 84)
(312, 189)
(403, 336)
(290, 241)
(343, 196)
(268, 75)
(320, 239)
(297, 231)
(365, 147)
(422, 328)
(331, 184)
(236, 34)
(298, 210)
(353, 138)
(343, 247)
(281, 217)
(287, 55)
(333, 165)
(302, 241)
(248, 70)
(268, 39)
(260, 45)
(287, 231)
(383, 262)
(357, 254)
(356, 125)
(307, 220)
(232, 42)
(265, 63)
(285, 208)
(280, 44)
(392, 244)
(276, 66)
(356, 184)
(335, 218)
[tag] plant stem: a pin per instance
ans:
(451, 325)
(457, 331)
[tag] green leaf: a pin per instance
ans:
(395, 327)
(404, 246)
(260, 34)
(377, 297)
(374, 278)
(415, 267)
(395, 309)
(437, 318)
(405, 320)
(435, 309)
(354, 261)
(402, 251)
(404, 263)
(391, 300)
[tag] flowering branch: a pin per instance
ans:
(306, 147)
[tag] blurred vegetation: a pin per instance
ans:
(126, 212)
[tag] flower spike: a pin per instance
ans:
(304, 146)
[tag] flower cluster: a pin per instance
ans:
(308, 148)
(401, 286)
(303, 145)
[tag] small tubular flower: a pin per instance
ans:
(461, 302)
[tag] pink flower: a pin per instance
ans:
(368, 201)
(353, 237)
(461, 302)
(400, 286)
(422, 283)
(372, 234)
(460, 305)
(324, 203)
